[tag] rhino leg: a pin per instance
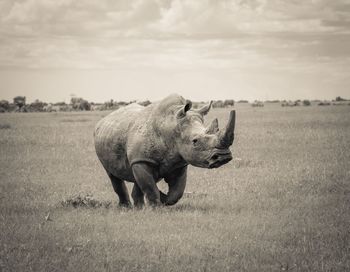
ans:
(163, 197)
(177, 183)
(138, 196)
(121, 190)
(143, 174)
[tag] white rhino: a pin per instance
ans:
(143, 145)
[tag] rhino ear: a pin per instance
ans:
(182, 112)
(213, 128)
(205, 109)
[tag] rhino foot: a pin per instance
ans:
(127, 205)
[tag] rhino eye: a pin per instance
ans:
(194, 141)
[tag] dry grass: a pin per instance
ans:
(282, 204)
(75, 120)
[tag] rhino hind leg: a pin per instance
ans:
(121, 190)
(138, 196)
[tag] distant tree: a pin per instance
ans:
(324, 103)
(144, 103)
(84, 105)
(122, 103)
(19, 101)
(37, 106)
(306, 102)
(60, 103)
(79, 103)
(4, 105)
(218, 104)
(272, 101)
(289, 103)
(229, 103)
(75, 100)
(338, 98)
(110, 103)
(243, 101)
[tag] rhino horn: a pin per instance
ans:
(227, 135)
(205, 109)
(213, 128)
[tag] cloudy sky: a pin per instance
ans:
(123, 49)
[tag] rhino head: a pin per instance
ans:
(201, 146)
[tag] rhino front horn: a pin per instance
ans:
(227, 135)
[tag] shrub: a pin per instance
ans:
(37, 106)
(4, 105)
(60, 104)
(87, 201)
(79, 103)
(289, 103)
(20, 101)
(272, 101)
(338, 99)
(218, 104)
(324, 103)
(229, 103)
(306, 102)
(144, 103)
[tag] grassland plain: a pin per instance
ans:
(282, 204)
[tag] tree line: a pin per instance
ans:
(76, 104)
(79, 104)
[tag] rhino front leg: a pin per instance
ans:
(138, 196)
(143, 174)
(177, 183)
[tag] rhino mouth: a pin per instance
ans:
(219, 157)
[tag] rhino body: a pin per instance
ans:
(143, 145)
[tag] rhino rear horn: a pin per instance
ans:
(213, 128)
(227, 135)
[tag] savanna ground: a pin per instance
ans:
(281, 204)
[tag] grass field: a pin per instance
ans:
(281, 204)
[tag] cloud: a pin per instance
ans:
(172, 34)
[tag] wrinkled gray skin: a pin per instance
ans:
(146, 144)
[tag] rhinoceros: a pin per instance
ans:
(143, 145)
